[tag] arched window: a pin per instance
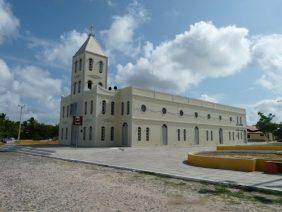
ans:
(89, 84)
(209, 116)
(128, 107)
(233, 136)
(66, 133)
(147, 134)
(101, 67)
(75, 67)
(112, 108)
(178, 134)
(84, 133)
(112, 133)
(211, 135)
(68, 110)
(79, 86)
(85, 108)
(101, 84)
(230, 118)
(62, 133)
(164, 110)
(184, 134)
(139, 134)
(207, 135)
(63, 111)
(90, 64)
(80, 64)
(122, 108)
(102, 133)
(91, 107)
(103, 107)
(229, 136)
(238, 136)
(220, 117)
(74, 88)
(90, 133)
(181, 113)
(196, 115)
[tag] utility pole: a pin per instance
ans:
(19, 133)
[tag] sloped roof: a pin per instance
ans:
(91, 45)
(252, 128)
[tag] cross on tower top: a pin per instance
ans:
(91, 30)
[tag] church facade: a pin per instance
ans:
(94, 115)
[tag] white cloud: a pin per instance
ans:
(208, 98)
(202, 51)
(267, 53)
(33, 87)
(120, 36)
(8, 22)
(266, 106)
(59, 53)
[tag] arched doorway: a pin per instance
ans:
(197, 138)
(220, 136)
(124, 136)
(164, 134)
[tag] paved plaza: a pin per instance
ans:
(167, 161)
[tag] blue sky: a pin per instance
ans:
(224, 51)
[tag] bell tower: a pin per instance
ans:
(89, 67)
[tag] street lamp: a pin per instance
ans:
(21, 110)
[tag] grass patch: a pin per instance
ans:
(37, 142)
(232, 194)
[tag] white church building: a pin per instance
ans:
(94, 115)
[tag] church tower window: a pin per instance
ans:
(100, 67)
(75, 67)
(112, 108)
(128, 107)
(90, 64)
(79, 86)
(74, 88)
(122, 108)
(80, 64)
(89, 84)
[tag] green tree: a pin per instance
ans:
(266, 124)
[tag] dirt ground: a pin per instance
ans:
(34, 183)
(246, 155)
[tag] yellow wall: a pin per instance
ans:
(247, 165)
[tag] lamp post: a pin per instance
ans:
(21, 110)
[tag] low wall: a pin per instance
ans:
(238, 164)
(249, 147)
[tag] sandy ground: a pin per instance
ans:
(33, 183)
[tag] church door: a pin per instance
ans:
(164, 134)
(124, 137)
(220, 136)
(197, 141)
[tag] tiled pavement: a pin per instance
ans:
(161, 160)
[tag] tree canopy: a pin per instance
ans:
(31, 129)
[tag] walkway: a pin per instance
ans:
(160, 160)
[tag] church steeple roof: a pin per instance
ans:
(91, 45)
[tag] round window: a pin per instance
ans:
(181, 113)
(164, 110)
(143, 108)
